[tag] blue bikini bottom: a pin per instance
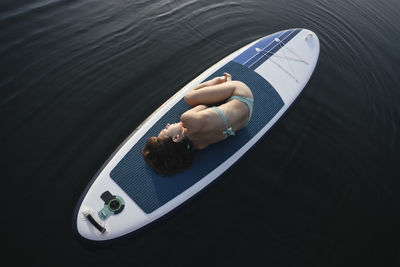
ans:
(246, 100)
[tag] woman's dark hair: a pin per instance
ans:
(167, 157)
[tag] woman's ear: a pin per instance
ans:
(177, 138)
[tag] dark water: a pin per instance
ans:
(321, 189)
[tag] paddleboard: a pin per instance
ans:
(127, 195)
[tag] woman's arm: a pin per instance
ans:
(196, 95)
(217, 80)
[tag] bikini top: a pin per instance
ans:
(246, 100)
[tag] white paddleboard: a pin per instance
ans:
(126, 194)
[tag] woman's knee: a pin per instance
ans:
(241, 89)
(190, 99)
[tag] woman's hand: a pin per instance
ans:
(219, 80)
(223, 79)
(228, 77)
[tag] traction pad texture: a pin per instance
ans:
(150, 190)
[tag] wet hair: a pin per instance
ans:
(167, 157)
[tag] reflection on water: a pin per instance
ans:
(78, 76)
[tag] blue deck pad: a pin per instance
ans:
(253, 59)
(150, 190)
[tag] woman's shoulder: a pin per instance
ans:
(192, 118)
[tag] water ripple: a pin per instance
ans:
(77, 76)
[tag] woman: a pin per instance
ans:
(220, 107)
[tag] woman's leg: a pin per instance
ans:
(212, 92)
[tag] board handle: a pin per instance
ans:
(93, 221)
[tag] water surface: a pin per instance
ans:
(321, 189)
